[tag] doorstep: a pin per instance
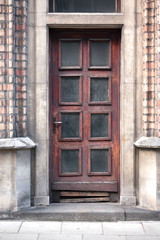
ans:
(83, 212)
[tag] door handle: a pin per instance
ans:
(55, 123)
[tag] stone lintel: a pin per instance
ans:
(148, 142)
(17, 143)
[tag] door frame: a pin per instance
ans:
(130, 85)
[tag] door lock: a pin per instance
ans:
(55, 124)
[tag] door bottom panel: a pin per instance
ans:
(110, 186)
(83, 197)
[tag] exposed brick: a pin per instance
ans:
(13, 67)
(150, 65)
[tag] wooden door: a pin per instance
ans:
(84, 110)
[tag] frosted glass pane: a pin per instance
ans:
(69, 161)
(69, 89)
(99, 90)
(99, 125)
(84, 6)
(70, 125)
(99, 160)
(99, 53)
(70, 53)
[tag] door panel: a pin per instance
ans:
(84, 110)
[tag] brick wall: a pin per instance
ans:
(13, 68)
(151, 97)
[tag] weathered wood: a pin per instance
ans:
(110, 186)
(84, 194)
(83, 179)
(84, 200)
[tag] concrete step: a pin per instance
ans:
(83, 212)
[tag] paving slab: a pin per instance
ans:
(9, 226)
(82, 228)
(125, 228)
(18, 236)
(59, 237)
(40, 227)
(103, 237)
(143, 238)
(151, 228)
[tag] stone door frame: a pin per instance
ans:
(39, 22)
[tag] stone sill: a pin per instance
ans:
(85, 20)
(148, 142)
(17, 143)
(83, 14)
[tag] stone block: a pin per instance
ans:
(61, 237)
(7, 158)
(147, 193)
(9, 226)
(125, 228)
(23, 164)
(152, 228)
(103, 237)
(15, 173)
(40, 227)
(148, 172)
(23, 193)
(41, 201)
(19, 236)
(8, 202)
(82, 228)
(7, 172)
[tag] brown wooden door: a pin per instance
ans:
(84, 110)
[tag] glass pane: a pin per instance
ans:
(69, 89)
(70, 53)
(70, 125)
(99, 125)
(99, 53)
(85, 6)
(99, 160)
(99, 89)
(69, 161)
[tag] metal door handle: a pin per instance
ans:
(57, 122)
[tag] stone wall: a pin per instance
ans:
(13, 68)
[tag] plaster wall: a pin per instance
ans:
(129, 20)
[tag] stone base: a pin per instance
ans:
(149, 178)
(128, 200)
(15, 174)
(149, 172)
(41, 201)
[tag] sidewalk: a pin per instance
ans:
(36, 230)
